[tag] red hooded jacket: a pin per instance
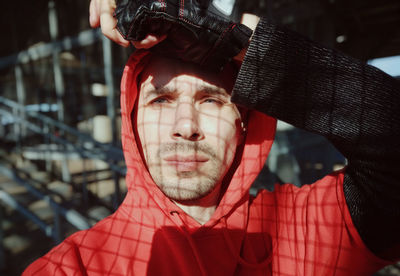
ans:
(291, 231)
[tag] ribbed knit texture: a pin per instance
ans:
(354, 105)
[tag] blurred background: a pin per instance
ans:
(61, 163)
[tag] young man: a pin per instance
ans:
(192, 156)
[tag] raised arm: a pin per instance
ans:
(355, 106)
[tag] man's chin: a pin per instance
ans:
(187, 190)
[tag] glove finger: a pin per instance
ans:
(108, 23)
(149, 41)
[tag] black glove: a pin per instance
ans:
(193, 32)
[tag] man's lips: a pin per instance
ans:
(186, 163)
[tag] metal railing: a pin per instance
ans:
(72, 141)
(72, 216)
(83, 144)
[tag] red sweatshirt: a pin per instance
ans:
(291, 231)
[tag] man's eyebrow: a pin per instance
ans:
(215, 91)
(158, 91)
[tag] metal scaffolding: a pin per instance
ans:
(59, 142)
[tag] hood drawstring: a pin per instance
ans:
(242, 261)
(182, 228)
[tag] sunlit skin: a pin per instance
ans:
(189, 131)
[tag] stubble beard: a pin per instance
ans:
(191, 185)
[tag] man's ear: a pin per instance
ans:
(243, 124)
(242, 134)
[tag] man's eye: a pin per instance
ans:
(159, 100)
(212, 101)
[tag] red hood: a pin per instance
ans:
(146, 198)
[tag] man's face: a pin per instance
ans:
(187, 126)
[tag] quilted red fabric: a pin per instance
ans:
(291, 231)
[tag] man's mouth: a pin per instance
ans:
(186, 163)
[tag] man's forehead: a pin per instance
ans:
(161, 70)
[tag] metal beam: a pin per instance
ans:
(83, 39)
(72, 216)
(86, 146)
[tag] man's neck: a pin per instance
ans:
(201, 209)
(201, 214)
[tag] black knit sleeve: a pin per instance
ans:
(354, 105)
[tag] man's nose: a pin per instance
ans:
(186, 124)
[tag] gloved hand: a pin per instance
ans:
(100, 15)
(192, 32)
